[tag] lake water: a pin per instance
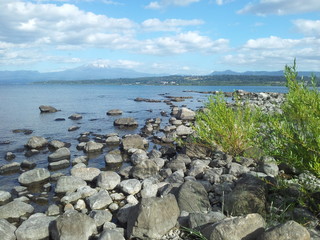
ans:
(19, 109)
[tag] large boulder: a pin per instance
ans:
(37, 175)
(72, 225)
(185, 114)
(113, 157)
(12, 211)
(126, 122)
(36, 142)
(7, 230)
(69, 184)
(192, 197)
(133, 141)
(108, 180)
(153, 217)
(130, 186)
(247, 227)
(35, 228)
(248, 196)
(59, 154)
(47, 109)
(111, 234)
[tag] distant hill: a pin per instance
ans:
(86, 72)
(262, 73)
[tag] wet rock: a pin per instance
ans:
(75, 116)
(9, 156)
(56, 144)
(12, 211)
(287, 231)
(72, 225)
(60, 119)
(24, 131)
(69, 184)
(37, 142)
(5, 197)
(113, 157)
(114, 112)
(35, 228)
(139, 99)
(73, 128)
(34, 176)
(81, 159)
(59, 165)
(192, 197)
(130, 186)
(133, 141)
(47, 109)
(92, 146)
(7, 230)
(99, 200)
(153, 217)
(108, 180)
(10, 168)
(247, 227)
(59, 154)
(126, 122)
(113, 140)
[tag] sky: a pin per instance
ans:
(186, 37)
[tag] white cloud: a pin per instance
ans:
(281, 7)
(166, 3)
(155, 24)
(222, 2)
(120, 63)
(308, 27)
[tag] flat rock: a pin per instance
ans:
(56, 144)
(133, 141)
(5, 197)
(37, 175)
(36, 142)
(14, 210)
(47, 109)
(7, 230)
(114, 112)
(113, 157)
(126, 122)
(69, 184)
(59, 154)
(92, 146)
(75, 116)
(10, 168)
(59, 165)
(87, 174)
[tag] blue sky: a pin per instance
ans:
(160, 36)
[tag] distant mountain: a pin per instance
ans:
(261, 73)
(86, 72)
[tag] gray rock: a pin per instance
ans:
(108, 180)
(112, 140)
(145, 169)
(7, 230)
(53, 210)
(34, 228)
(99, 200)
(194, 150)
(81, 159)
(213, 175)
(88, 174)
(198, 168)
(287, 231)
(73, 128)
(247, 227)
(37, 175)
(149, 190)
(26, 164)
(5, 197)
(36, 142)
(153, 217)
(269, 166)
(55, 144)
(200, 219)
(177, 164)
(154, 154)
(126, 122)
(47, 109)
(9, 156)
(133, 141)
(10, 168)
(75, 116)
(248, 196)
(124, 213)
(185, 114)
(183, 130)
(101, 216)
(12, 211)
(114, 112)
(192, 197)
(69, 184)
(72, 225)
(138, 156)
(59, 165)
(113, 157)
(92, 146)
(59, 154)
(237, 169)
(111, 234)
(130, 186)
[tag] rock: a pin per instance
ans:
(10, 168)
(7, 230)
(12, 211)
(126, 122)
(101, 216)
(185, 114)
(69, 184)
(59, 165)
(88, 174)
(53, 210)
(26, 164)
(195, 150)
(248, 196)
(183, 130)
(55, 144)
(34, 228)
(201, 219)
(9, 156)
(124, 213)
(108, 180)
(34, 176)
(99, 200)
(114, 112)
(47, 109)
(24, 131)
(60, 119)
(113, 157)
(198, 168)
(177, 164)
(5, 197)
(92, 146)
(269, 166)
(247, 227)
(237, 169)
(113, 140)
(72, 225)
(73, 128)
(133, 141)
(287, 231)
(144, 169)
(37, 142)
(75, 116)
(130, 186)
(153, 217)
(192, 197)
(111, 234)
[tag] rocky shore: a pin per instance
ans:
(170, 191)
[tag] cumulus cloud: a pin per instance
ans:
(281, 7)
(168, 25)
(167, 3)
(308, 27)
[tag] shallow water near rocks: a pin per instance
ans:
(19, 109)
